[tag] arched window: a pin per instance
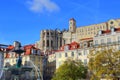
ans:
(72, 54)
(51, 43)
(47, 43)
(43, 43)
(66, 55)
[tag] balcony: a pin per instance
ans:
(107, 44)
(103, 44)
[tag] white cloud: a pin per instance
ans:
(42, 5)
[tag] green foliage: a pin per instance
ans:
(71, 70)
(105, 64)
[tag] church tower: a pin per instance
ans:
(72, 25)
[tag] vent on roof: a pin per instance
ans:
(100, 32)
(112, 29)
(66, 48)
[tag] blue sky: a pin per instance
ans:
(23, 20)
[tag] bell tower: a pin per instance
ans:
(72, 25)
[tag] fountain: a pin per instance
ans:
(19, 72)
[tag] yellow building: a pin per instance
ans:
(76, 33)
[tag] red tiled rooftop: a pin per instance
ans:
(72, 46)
(105, 32)
(109, 31)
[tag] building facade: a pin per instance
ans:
(53, 39)
(75, 43)
(75, 51)
(76, 33)
(50, 40)
(109, 38)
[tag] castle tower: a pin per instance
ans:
(72, 25)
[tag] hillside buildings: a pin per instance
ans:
(109, 38)
(55, 46)
(77, 42)
(54, 39)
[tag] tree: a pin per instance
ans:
(105, 64)
(71, 70)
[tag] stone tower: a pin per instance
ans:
(72, 25)
(50, 40)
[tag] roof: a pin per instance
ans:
(109, 31)
(9, 48)
(71, 46)
(72, 19)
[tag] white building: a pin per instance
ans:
(74, 51)
(109, 38)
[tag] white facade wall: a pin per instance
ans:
(111, 39)
(79, 54)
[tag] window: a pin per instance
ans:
(91, 44)
(102, 41)
(51, 33)
(85, 52)
(118, 47)
(43, 43)
(72, 53)
(85, 44)
(66, 55)
(119, 24)
(70, 22)
(85, 61)
(118, 38)
(80, 45)
(64, 42)
(47, 33)
(108, 40)
(111, 22)
(47, 43)
(96, 42)
(59, 55)
(79, 54)
(51, 43)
